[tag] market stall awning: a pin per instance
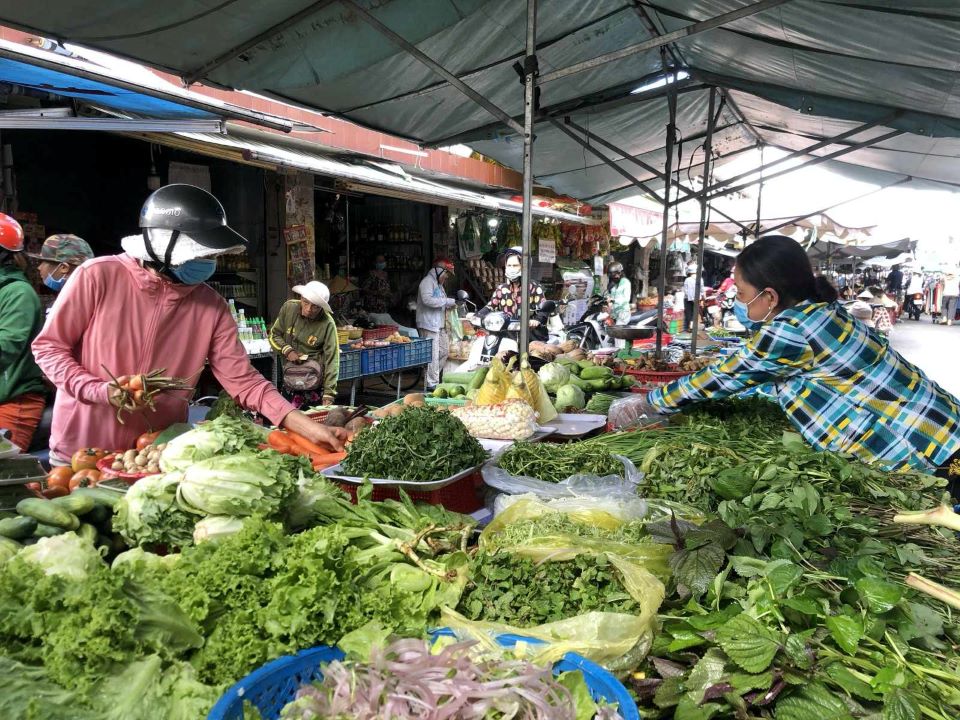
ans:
(792, 74)
(272, 151)
(114, 90)
(822, 249)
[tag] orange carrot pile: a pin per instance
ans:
(291, 443)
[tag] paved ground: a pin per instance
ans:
(935, 349)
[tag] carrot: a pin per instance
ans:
(307, 444)
(279, 440)
(330, 457)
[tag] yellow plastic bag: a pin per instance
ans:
(495, 385)
(538, 394)
(618, 641)
(558, 546)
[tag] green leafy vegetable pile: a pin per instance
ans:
(418, 445)
(552, 462)
(517, 591)
(789, 603)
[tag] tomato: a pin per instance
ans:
(147, 439)
(54, 492)
(59, 477)
(35, 488)
(87, 459)
(84, 478)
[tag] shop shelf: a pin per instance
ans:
(416, 352)
(376, 361)
(350, 364)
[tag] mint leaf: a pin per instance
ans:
(744, 683)
(687, 709)
(846, 631)
(784, 576)
(804, 605)
(669, 693)
(695, 569)
(749, 644)
(733, 483)
(747, 567)
(812, 702)
(878, 595)
(900, 705)
(797, 651)
(845, 679)
(707, 672)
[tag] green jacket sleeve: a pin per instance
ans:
(19, 311)
(331, 353)
(278, 331)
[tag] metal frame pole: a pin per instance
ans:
(707, 172)
(756, 231)
(530, 72)
(668, 172)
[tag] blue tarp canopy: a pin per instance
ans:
(792, 75)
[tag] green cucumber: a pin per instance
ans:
(43, 530)
(99, 516)
(45, 512)
(17, 527)
(478, 378)
(458, 378)
(88, 532)
(106, 498)
(599, 385)
(580, 383)
(586, 364)
(76, 504)
(596, 373)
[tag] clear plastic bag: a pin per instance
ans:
(633, 412)
(591, 486)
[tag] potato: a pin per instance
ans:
(413, 399)
(396, 410)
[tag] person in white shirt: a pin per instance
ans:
(689, 295)
(951, 292)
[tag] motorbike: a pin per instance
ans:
(590, 332)
(498, 333)
(914, 306)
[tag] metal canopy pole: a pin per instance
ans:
(438, 68)
(690, 194)
(526, 228)
(659, 42)
(707, 164)
(668, 171)
(756, 230)
(815, 160)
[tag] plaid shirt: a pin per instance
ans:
(841, 384)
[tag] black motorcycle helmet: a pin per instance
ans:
(190, 210)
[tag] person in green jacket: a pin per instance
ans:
(22, 391)
(305, 330)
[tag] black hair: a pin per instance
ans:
(780, 263)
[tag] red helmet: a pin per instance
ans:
(11, 234)
(444, 263)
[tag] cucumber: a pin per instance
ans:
(599, 385)
(596, 373)
(45, 512)
(586, 364)
(580, 383)
(88, 532)
(76, 504)
(455, 378)
(17, 527)
(478, 378)
(99, 516)
(42, 530)
(105, 498)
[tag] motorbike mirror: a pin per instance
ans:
(463, 295)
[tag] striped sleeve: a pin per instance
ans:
(777, 352)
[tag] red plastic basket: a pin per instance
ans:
(381, 332)
(462, 496)
(657, 376)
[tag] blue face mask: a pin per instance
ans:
(742, 309)
(194, 272)
(56, 285)
(380, 266)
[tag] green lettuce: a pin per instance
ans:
(149, 514)
(67, 555)
(223, 436)
(215, 528)
(238, 485)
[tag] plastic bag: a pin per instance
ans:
(618, 641)
(556, 545)
(611, 486)
(508, 420)
(632, 412)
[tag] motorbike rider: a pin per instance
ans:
(620, 292)
(507, 298)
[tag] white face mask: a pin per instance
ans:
(513, 273)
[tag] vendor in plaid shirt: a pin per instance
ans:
(839, 381)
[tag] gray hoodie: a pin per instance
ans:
(432, 303)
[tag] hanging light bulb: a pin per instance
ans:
(153, 179)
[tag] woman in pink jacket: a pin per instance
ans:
(146, 309)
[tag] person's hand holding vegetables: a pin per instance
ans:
(298, 422)
(126, 393)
